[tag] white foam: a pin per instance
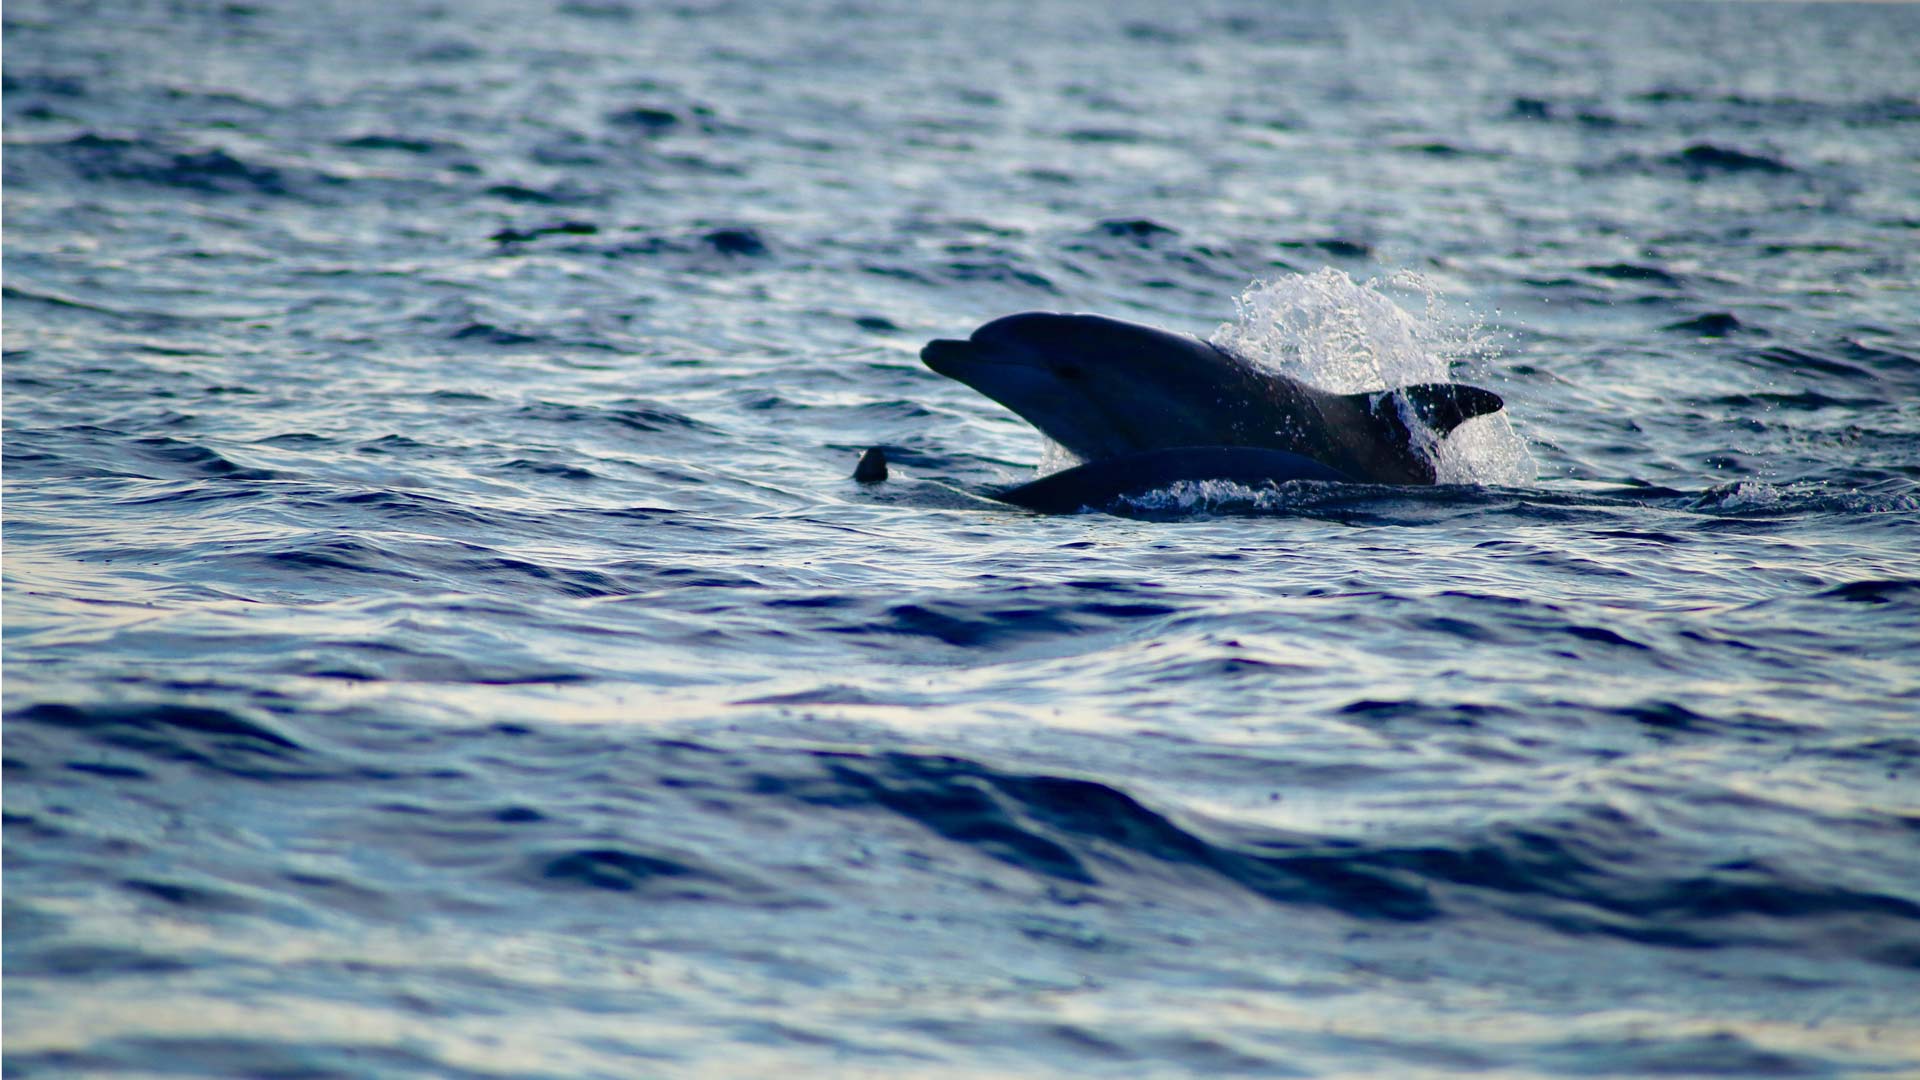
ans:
(1201, 496)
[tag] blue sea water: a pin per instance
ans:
(442, 638)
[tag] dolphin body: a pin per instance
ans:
(1145, 407)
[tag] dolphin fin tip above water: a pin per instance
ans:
(1106, 389)
(1445, 406)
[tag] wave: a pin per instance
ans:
(216, 739)
(1578, 869)
(205, 171)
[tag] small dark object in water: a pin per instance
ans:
(744, 242)
(1714, 324)
(873, 466)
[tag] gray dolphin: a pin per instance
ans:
(1107, 389)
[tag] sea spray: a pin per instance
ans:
(1329, 331)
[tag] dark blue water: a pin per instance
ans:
(441, 638)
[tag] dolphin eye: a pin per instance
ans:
(1069, 372)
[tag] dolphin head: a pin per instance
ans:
(1099, 387)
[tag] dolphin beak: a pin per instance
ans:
(948, 357)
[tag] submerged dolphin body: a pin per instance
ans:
(1106, 389)
(1099, 483)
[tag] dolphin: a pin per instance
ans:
(1109, 391)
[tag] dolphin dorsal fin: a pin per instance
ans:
(1440, 406)
(1402, 454)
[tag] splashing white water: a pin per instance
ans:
(1329, 331)
(1054, 457)
(1213, 496)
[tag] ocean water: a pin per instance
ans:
(442, 638)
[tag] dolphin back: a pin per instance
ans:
(1100, 483)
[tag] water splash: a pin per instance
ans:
(1188, 497)
(1329, 331)
(1745, 495)
(1485, 450)
(1054, 458)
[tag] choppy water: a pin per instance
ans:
(442, 639)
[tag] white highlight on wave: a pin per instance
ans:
(1329, 331)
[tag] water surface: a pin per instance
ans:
(442, 638)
